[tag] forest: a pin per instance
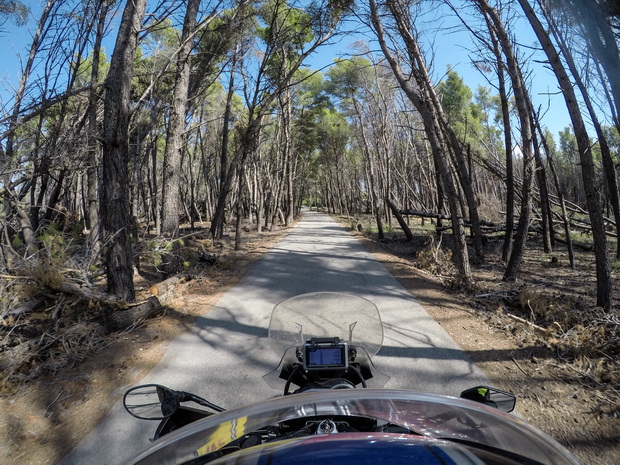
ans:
(134, 124)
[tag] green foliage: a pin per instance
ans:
(334, 131)
(551, 144)
(326, 14)
(455, 97)
(163, 37)
(613, 139)
(85, 68)
(53, 242)
(487, 104)
(370, 229)
(568, 143)
(214, 43)
(284, 30)
(567, 165)
(309, 91)
(347, 78)
(16, 242)
(152, 56)
(464, 115)
(309, 102)
(285, 27)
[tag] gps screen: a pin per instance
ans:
(324, 356)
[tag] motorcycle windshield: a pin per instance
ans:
(460, 422)
(325, 315)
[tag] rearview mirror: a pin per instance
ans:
(151, 402)
(501, 400)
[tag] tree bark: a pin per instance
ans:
(560, 191)
(543, 193)
(93, 144)
(510, 183)
(287, 154)
(114, 195)
(399, 218)
(171, 201)
(226, 129)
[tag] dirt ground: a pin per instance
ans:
(562, 392)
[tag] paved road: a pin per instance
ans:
(225, 355)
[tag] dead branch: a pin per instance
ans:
(519, 366)
(25, 307)
(86, 294)
(540, 329)
(165, 289)
(121, 319)
(392, 204)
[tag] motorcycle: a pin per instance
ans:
(338, 410)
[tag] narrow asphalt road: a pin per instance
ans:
(225, 355)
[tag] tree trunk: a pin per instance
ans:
(510, 183)
(21, 90)
(543, 192)
(602, 42)
(239, 207)
(176, 126)
(558, 187)
(399, 218)
(464, 177)
(226, 131)
(249, 137)
(288, 163)
(93, 144)
(433, 129)
(114, 208)
(522, 103)
(372, 178)
(608, 163)
(603, 272)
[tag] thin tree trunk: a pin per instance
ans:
(93, 144)
(287, 153)
(433, 131)
(21, 90)
(464, 177)
(510, 183)
(249, 135)
(176, 126)
(521, 99)
(558, 187)
(239, 207)
(226, 130)
(543, 192)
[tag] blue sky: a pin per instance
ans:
(451, 49)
